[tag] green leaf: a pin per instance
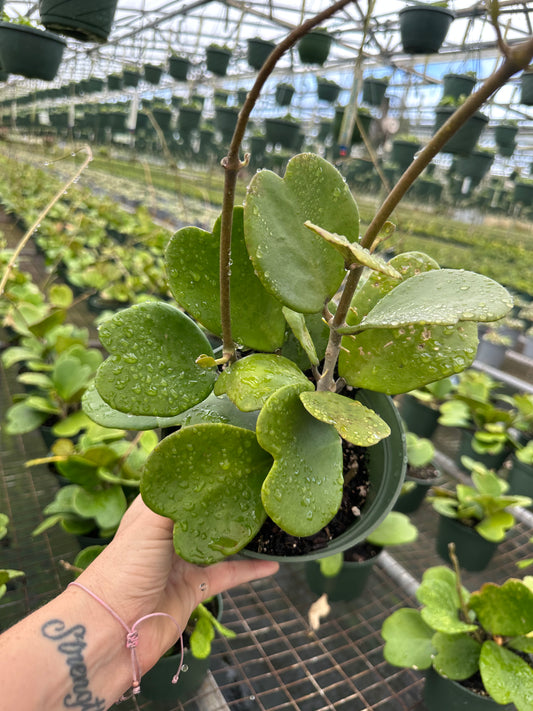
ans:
(40, 328)
(408, 640)
(420, 451)
(457, 655)
(79, 471)
(18, 354)
(207, 478)
(505, 610)
(442, 297)
(439, 595)
(506, 677)
(298, 267)
(69, 376)
(353, 253)
(295, 350)
(21, 419)
(37, 380)
(192, 259)
(397, 360)
(331, 565)
(303, 490)
(201, 638)
(86, 556)
(352, 420)
(60, 295)
(249, 382)
(218, 409)
(394, 530)
(522, 644)
(152, 368)
(72, 424)
(107, 507)
(299, 328)
(494, 526)
(46, 524)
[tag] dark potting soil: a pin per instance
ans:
(271, 540)
(361, 552)
(424, 473)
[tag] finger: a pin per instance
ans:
(229, 574)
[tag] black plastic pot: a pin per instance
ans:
(162, 117)
(284, 94)
(327, 90)
(178, 68)
(473, 551)
(386, 468)
(282, 131)
(258, 51)
(403, 152)
(465, 139)
(476, 165)
(447, 695)
(504, 135)
(374, 90)
(520, 478)
(226, 119)
(86, 21)
(156, 684)
(456, 85)
(526, 89)
(314, 47)
(217, 60)
(152, 73)
(130, 78)
(364, 118)
(114, 82)
(423, 28)
(348, 584)
(188, 119)
(523, 192)
(411, 500)
(32, 53)
(492, 354)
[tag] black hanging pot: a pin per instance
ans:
(327, 90)
(152, 73)
(284, 94)
(178, 68)
(504, 135)
(32, 53)
(86, 21)
(374, 90)
(403, 152)
(314, 47)
(365, 119)
(282, 131)
(423, 28)
(456, 85)
(258, 51)
(217, 60)
(526, 88)
(188, 119)
(523, 192)
(162, 118)
(226, 120)
(114, 82)
(130, 77)
(476, 165)
(465, 139)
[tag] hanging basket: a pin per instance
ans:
(327, 90)
(257, 145)
(507, 151)
(152, 73)
(162, 117)
(457, 85)
(423, 28)
(403, 152)
(465, 139)
(284, 94)
(282, 131)
(83, 20)
(364, 118)
(131, 77)
(523, 192)
(258, 51)
(476, 165)
(504, 135)
(94, 85)
(114, 82)
(188, 119)
(32, 53)
(314, 47)
(178, 68)
(526, 89)
(374, 90)
(217, 60)
(226, 120)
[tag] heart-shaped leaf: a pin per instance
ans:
(69, 376)
(192, 259)
(408, 640)
(505, 610)
(21, 419)
(395, 530)
(352, 420)
(298, 267)
(439, 595)
(506, 677)
(207, 478)
(106, 507)
(495, 526)
(353, 253)
(397, 360)
(249, 382)
(443, 297)
(303, 490)
(457, 655)
(152, 368)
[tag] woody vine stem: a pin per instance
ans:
(515, 59)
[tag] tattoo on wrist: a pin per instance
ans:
(71, 643)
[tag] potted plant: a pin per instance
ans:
(114, 82)
(284, 94)
(526, 88)
(189, 118)
(343, 576)
(404, 148)
(152, 73)
(492, 348)
(130, 76)
(474, 646)
(458, 86)
(314, 47)
(178, 67)
(284, 131)
(476, 165)
(29, 51)
(217, 59)
(505, 133)
(423, 27)
(374, 89)
(420, 408)
(75, 19)
(475, 518)
(226, 120)
(327, 89)
(464, 141)
(523, 191)
(162, 114)
(258, 50)
(364, 118)
(421, 473)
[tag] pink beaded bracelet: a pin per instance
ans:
(132, 639)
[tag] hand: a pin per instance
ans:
(139, 573)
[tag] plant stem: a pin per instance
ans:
(232, 165)
(459, 589)
(42, 215)
(517, 58)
